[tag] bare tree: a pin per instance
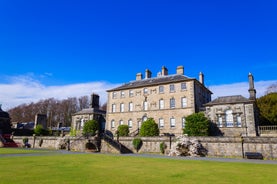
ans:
(83, 102)
(104, 107)
(272, 88)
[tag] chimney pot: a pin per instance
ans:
(139, 76)
(201, 78)
(148, 74)
(164, 71)
(180, 70)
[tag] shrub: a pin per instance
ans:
(137, 143)
(40, 142)
(90, 128)
(123, 130)
(39, 130)
(25, 140)
(149, 128)
(73, 132)
(197, 125)
(163, 146)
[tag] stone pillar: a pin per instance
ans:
(252, 91)
(250, 120)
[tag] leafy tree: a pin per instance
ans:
(197, 125)
(149, 128)
(268, 109)
(90, 128)
(123, 130)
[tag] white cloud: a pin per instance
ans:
(26, 90)
(240, 89)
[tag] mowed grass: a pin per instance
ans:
(21, 151)
(100, 168)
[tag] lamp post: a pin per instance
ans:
(242, 148)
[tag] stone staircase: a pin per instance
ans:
(117, 145)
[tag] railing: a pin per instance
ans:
(268, 129)
(134, 133)
(116, 144)
(111, 141)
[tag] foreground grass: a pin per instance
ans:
(98, 168)
(21, 151)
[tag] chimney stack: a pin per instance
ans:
(252, 91)
(94, 103)
(139, 76)
(180, 70)
(201, 78)
(148, 74)
(164, 71)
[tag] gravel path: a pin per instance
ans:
(212, 159)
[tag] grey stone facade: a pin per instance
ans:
(235, 115)
(93, 113)
(166, 98)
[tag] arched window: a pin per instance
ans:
(130, 123)
(161, 123)
(229, 118)
(131, 106)
(112, 124)
(172, 122)
(172, 103)
(184, 102)
(161, 104)
(219, 122)
(145, 105)
(144, 118)
(238, 121)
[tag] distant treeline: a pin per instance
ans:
(57, 111)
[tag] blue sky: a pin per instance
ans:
(73, 48)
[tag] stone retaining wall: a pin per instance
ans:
(216, 146)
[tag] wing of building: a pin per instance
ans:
(92, 113)
(166, 98)
(235, 115)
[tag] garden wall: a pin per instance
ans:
(216, 146)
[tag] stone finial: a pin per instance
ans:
(251, 90)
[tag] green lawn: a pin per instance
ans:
(20, 151)
(99, 168)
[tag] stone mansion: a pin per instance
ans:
(166, 98)
(169, 99)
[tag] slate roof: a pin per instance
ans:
(152, 81)
(229, 100)
(90, 111)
